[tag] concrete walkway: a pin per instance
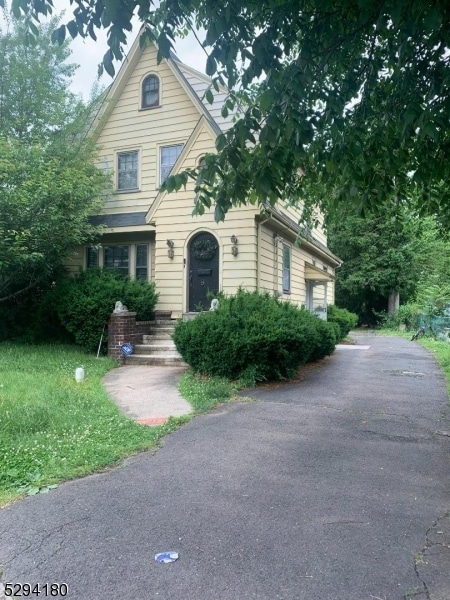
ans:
(147, 394)
(333, 487)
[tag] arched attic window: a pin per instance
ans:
(150, 92)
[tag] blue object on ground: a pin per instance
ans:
(166, 557)
(126, 349)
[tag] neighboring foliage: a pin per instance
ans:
(397, 253)
(352, 93)
(343, 318)
(380, 257)
(255, 337)
(85, 302)
(49, 185)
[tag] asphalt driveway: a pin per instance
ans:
(335, 487)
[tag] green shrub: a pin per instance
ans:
(254, 337)
(344, 318)
(406, 314)
(85, 302)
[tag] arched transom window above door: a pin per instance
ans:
(150, 92)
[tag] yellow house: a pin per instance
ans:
(155, 121)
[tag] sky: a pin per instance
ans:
(88, 54)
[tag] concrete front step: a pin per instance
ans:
(155, 350)
(149, 359)
(160, 335)
(151, 342)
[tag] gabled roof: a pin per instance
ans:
(194, 83)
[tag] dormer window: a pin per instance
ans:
(150, 91)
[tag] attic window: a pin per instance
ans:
(150, 91)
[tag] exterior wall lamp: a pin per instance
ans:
(234, 248)
(170, 250)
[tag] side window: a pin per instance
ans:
(168, 157)
(92, 257)
(142, 262)
(286, 269)
(127, 170)
(150, 92)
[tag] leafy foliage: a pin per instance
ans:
(85, 302)
(344, 319)
(352, 93)
(380, 256)
(255, 337)
(49, 185)
(35, 101)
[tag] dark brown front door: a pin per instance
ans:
(203, 269)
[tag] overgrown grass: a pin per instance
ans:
(441, 351)
(204, 393)
(53, 428)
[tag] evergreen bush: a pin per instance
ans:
(85, 302)
(344, 318)
(253, 336)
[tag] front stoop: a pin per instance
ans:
(157, 347)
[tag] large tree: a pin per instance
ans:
(48, 182)
(340, 99)
(380, 261)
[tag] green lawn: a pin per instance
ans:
(53, 428)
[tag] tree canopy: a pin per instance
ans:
(345, 100)
(49, 184)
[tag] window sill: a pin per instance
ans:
(131, 191)
(144, 108)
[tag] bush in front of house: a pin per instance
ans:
(345, 319)
(85, 302)
(254, 337)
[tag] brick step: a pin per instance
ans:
(149, 359)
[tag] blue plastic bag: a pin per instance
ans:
(166, 557)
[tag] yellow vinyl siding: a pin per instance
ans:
(173, 219)
(127, 127)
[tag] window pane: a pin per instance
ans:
(169, 155)
(286, 269)
(116, 258)
(150, 91)
(92, 258)
(127, 170)
(141, 262)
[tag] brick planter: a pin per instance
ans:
(123, 327)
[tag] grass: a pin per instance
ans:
(204, 393)
(441, 351)
(53, 428)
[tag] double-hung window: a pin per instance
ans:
(168, 157)
(127, 170)
(116, 258)
(286, 269)
(150, 92)
(127, 259)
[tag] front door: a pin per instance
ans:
(203, 270)
(316, 300)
